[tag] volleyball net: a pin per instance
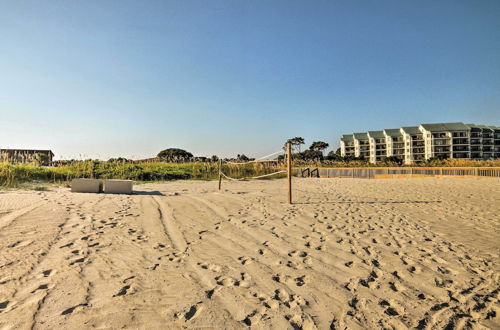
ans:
(287, 152)
(263, 159)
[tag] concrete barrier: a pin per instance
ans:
(86, 185)
(118, 186)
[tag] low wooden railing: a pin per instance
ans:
(394, 172)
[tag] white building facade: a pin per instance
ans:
(413, 144)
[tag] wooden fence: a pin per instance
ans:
(404, 172)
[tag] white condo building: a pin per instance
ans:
(419, 143)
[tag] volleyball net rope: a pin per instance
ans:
(262, 159)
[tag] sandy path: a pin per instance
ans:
(350, 253)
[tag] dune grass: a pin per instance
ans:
(14, 175)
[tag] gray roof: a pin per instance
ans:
(481, 126)
(361, 136)
(347, 138)
(393, 132)
(440, 127)
(376, 134)
(411, 130)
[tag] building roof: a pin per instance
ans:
(347, 138)
(361, 136)
(28, 150)
(411, 130)
(393, 132)
(482, 126)
(376, 134)
(440, 127)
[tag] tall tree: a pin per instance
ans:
(175, 154)
(318, 146)
(296, 142)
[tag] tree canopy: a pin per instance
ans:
(296, 142)
(318, 146)
(175, 154)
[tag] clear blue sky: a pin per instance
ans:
(129, 78)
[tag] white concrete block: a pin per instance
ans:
(118, 186)
(86, 185)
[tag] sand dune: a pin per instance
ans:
(407, 253)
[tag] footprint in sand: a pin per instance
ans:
(3, 305)
(245, 260)
(123, 291)
(71, 309)
(41, 287)
(212, 267)
(225, 281)
(80, 260)
(301, 280)
(190, 314)
(67, 245)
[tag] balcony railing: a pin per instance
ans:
(439, 135)
(460, 141)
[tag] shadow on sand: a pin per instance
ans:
(150, 193)
(371, 202)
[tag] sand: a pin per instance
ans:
(395, 253)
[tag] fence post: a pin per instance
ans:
(220, 173)
(289, 170)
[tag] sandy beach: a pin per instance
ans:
(401, 253)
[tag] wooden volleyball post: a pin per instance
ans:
(289, 170)
(220, 173)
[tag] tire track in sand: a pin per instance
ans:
(9, 218)
(233, 311)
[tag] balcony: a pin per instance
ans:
(441, 149)
(441, 143)
(460, 141)
(459, 134)
(461, 148)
